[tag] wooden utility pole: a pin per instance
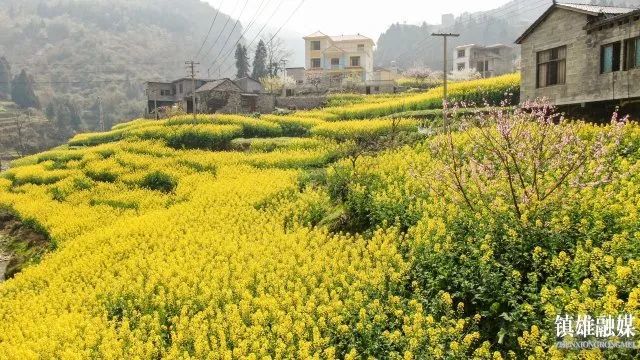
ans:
(100, 116)
(445, 36)
(191, 67)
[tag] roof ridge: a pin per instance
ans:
(595, 5)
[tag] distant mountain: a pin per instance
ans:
(412, 45)
(79, 50)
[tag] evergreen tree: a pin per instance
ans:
(260, 61)
(50, 111)
(5, 78)
(22, 91)
(242, 61)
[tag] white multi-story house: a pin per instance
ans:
(333, 58)
(489, 61)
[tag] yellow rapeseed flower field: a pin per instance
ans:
(231, 237)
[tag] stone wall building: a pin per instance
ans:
(227, 97)
(582, 55)
(243, 96)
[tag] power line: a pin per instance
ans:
(513, 9)
(432, 46)
(76, 81)
(284, 24)
(230, 34)
(251, 22)
(261, 29)
(224, 27)
(287, 21)
(210, 29)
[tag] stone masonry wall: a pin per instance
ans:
(584, 82)
(301, 102)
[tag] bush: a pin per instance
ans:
(293, 126)
(251, 127)
(206, 137)
(159, 181)
(356, 130)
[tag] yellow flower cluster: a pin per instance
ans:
(218, 238)
(476, 91)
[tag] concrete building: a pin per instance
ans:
(333, 58)
(212, 96)
(297, 74)
(448, 20)
(249, 85)
(489, 61)
(582, 54)
(162, 94)
(383, 80)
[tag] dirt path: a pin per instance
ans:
(20, 245)
(4, 263)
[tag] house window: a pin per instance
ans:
(335, 61)
(355, 61)
(300, 82)
(315, 45)
(462, 53)
(315, 63)
(165, 92)
(610, 58)
(181, 89)
(483, 66)
(461, 66)
(360, 47)
(552, 66)
(632, 53)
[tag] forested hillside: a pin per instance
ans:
(412, 45)
(79, 50)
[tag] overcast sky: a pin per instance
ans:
(336, 17)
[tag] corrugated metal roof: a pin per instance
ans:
(597, 9)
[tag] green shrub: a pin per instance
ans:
(159, 181)
(102, 175)
(116, 204)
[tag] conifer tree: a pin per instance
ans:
(5, 78)
(242, 61)
(260, 61)
(22, 91)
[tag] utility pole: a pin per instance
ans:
(445, 36)
(191, 67)
(19, 129)
(155, 104)
(100, 116)
(284, 77)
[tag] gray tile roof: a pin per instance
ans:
(597, 9)
(601, 12)
(212, 85)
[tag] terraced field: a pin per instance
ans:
(313, 236)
